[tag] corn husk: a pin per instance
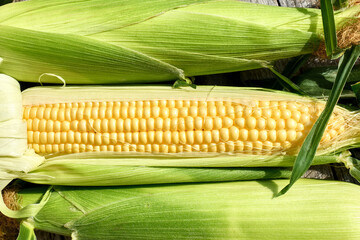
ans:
(108, 41)
(238, 210)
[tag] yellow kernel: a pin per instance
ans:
(212, 147)
(281, 135)
(276, 114)
(239, 146)
(261, 123)
(239, 111)
(139, 112)
(221, 110)
(187, 148)
(272, 135)
(70, 137)
(164, 113)
(263, 135)
(179, 148)
(266, 113)
(247, 111)
(97, 125)
(234, 133)
(190, 137)
(32, 113)
(65, 126)
(183, 112)
(181, 124)
(286, 145)
(282, 105)
(257, 112)
(305, 119)
(296, 115)
(240, 122)
(158, 137)
(280, 124)
(224, 134)
(257, 146)
(215, 136)
(227, 122)
(57, 137)
(30, 136)
(53, 115)
(126, 148)
(198, 122)
(218, 123)
(104, 126)
(40, 112)
(270, 124)
(291, 123)
(264, 104)
(207, 136)
(221, 147)
(167, 137)
(159, 123)
(43, 137)
(174, 124)
(77, 137)
(267, 146)
(285, 113)
(198, 137)
(179, 103)
(131, 112)
(118, 148)
(208, 123)
(151, 136)
(42, 125)
(253, 135)
(211, 111)
(142, 124)
(299, 136)
(250, 122)
(291, 135)
(35, 124)
(164, 148)
(166, 124)
(162, 103)
(248, 146)
(193, 111)
(89, 148)
(127, 125)
(123, 112)
(147, 112)
(244, 134)
(171, 103)
(204, 148)
(174, 113)
(143, 137)
(230, 112)
(109, 112)
(202, 111)
(150, 124)
(189, 123)
(333, 133)
(105, 138)
(128, 137)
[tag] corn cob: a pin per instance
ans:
(108, 41)
(106, 135)
(238, 210)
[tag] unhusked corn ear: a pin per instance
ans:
(235, 210)
(151, 41)
(177, 122)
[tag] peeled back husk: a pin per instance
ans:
(238, 210)
(112, 41)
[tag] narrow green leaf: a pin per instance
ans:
(286, 82)
(328, 18)
(309, 147)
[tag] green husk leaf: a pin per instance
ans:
(26, 231)
(140, 41)
(309, 147)
(203, 211)
(328, 18)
